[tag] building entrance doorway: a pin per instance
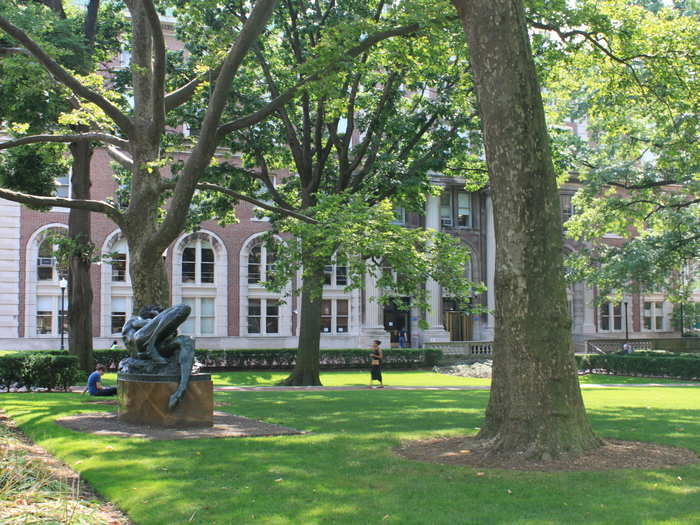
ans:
(456, 322)
(398, 323)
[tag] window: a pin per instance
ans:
(45, 261)
(653, 316)
(63, 186)
(446, 208)
(610, 317)
(263, 316)
(189, 265)
(202, 320)
(400, 214)
(334, 316)
(198, 262)
(464, 209)
(118, 316)
(44, 315)
(567, 208)
(119, 267)
(261, 264)
(335, 275)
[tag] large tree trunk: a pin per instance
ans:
(536, 409)
(306, 368)
(80, 286)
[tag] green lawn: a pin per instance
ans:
(344, 471)
(391, 377)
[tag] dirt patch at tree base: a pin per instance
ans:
(225, 425)
(613, 454)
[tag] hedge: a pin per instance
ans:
(285, 358)
(38, 369)
(643, 364)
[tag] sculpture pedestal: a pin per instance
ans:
(143, 400)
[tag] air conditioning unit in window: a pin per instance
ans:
(446, 222)
(44, 261)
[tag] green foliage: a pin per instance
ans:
(39, 369)
(33, 168)
(684, 366)
(628, 71)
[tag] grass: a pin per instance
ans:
(344, 471)
(391, 377)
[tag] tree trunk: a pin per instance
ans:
(535, 409)
(306, 368)
(149, 280)
(79, 283)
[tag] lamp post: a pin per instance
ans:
(627, 328)
(63, 283)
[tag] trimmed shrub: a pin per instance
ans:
(654, 365)
(39, 369)
(285, 358)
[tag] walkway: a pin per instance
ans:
(472, 387)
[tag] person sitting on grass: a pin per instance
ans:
(94, 384)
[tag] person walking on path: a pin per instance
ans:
(376, 358)
(94, 384)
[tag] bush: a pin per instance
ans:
(652, 364)
(285, 358)
(39, 369)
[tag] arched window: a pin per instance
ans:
(116, 293)
(261, 264)
(262, 312)
(198, 262)
(200, 281)
(44, 311)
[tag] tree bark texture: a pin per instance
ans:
(79, 283)
(535, 409)
(306, 368)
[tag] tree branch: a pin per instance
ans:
(65, 78)
(79, 137)
(120, 157)
(90, 205)
(8, 51)
(158, 79)
(208, 186)
(288, 95)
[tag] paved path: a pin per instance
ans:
(466, 387)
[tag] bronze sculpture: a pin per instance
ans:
(157, 349)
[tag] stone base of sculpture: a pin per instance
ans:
(144, 400)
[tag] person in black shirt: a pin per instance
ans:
(376, 358)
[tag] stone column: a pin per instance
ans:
(436, 331)
(488, 330)
(372, 327)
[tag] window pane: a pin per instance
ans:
(253, 325)
(118, 322)
(207, 325)
(207, 266)
(660, 322)
(44, 273)
(272, 308)
(207, 306)
(342, 306)
(325, 324)
(647, 323)
(43, 322)
(326, 306)
(272, 325)
(253, 306)
(254, 265)
(188, 265)
(327, 274)
(341, 321)
(446, 208)
(119, 267)
(341, 275)
(464, 209)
